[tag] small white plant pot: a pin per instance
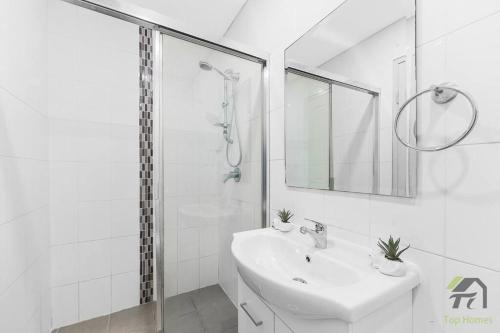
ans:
(377, 258)
(281, 226)
(392, 267)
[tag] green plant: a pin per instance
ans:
(391, 249)
(285, 215)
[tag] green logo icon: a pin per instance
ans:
(458, 287)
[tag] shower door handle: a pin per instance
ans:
(256, 322)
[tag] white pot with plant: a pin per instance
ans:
(392, 264)
(282, 222)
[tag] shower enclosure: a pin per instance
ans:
(158, 155)
(212, 125)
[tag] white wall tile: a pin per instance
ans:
(94, 130)
(94, 298)
(24, 192)
(124, 217)
(432, 23)
(171, 245)
(64, 202)
(170, 279)
(472, 204)
(209, 271)
(473, 68)
(92, 101)
(189, 275)
(65, 305)
(61, 17)
(24, 129)
(64, 261)
(124, 254)
(94, 142)
(412, 219)
(277, 134)
(94, 181)
(209, 240)
(94, 220)
(428, 301)
(124, 143)
(124, 291)
(25, 186)
(12, 252)
(189, 244)
(348, 211)
(94, 259)
(124, 180)
(63, 140)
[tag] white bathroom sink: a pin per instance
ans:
(287, 271)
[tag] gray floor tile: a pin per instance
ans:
(189, 323)
(219, 317)
(210, 296)
(96, 325)
(232, 330)
(178, 306)
(131, 320)
(207, 310)
(216, 320)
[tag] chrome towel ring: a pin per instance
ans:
(441, 94)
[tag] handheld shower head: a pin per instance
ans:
(228, 74)
(206, 66)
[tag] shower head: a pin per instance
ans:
(205, 66)
(228, 74)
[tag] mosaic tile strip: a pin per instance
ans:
(146, 164)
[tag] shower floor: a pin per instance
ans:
(206, 310)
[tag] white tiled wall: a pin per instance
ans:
(94, 163)
(452, 223)
(24, 205)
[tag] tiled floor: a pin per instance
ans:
(139, 319)
(207, 310)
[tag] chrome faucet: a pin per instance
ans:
(235, 174)
(318, 234)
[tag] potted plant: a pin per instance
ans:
(282, 223)
(392, 263)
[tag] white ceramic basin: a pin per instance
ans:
(338, 282)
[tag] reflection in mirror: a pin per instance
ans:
(345, 81)
(307, 124)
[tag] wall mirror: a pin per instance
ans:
(345, 81)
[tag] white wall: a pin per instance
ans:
(94, 163)
(24, 222)
(452, 224)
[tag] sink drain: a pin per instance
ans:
(300, 280)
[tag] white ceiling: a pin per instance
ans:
(348, 25)
(212, 17)
(207, 19)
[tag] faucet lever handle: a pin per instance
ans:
(319, 227)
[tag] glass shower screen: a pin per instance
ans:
(212, 114)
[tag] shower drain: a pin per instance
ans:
(301, 280)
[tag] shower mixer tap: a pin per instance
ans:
(235, 174)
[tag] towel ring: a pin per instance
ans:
(441, 95)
